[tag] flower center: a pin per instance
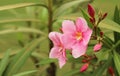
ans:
(78, 35)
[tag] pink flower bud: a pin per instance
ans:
(91, 11)
(84, 67)
(97, 47)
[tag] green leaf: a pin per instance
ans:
(27, 30)
(46, 61)
(110, 25)
(117, 61)
(13, 6)
(102, 55)
(107, 42)
(116, 34)
(117, 15)
(25, 73)
(67, 5)
(76, 72)
(19, 20)
(4, 62)
(72, 72)
(71, 59)
(20, 58)
(100, 70)
(87, 18)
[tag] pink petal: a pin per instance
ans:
(54, 52)
(97, 47)
(68, 26)
(81, 24)
(78, 50)
(55, 37)
(86, 36)
(64, 53)
(68, 40)
(62, 61)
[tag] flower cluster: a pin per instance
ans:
(75, 38)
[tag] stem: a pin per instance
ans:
(95, 30)
(50, 22)
(51, 70)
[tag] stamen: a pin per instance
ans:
(78, 35)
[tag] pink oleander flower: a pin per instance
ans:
(58, 51)
(76, 36)
(84, 67)
(97, 47)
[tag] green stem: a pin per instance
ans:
(50, 20)
(51, 70)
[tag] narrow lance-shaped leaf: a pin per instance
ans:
(13, 6)
(67, 5)
(21, 57)
(46, 61)
(4, 62)
(19, 20)
(72, 72)
(116, 34)
(27, 30)
(87, 18)
(100, 70)
(110, 25)
(25, 73)
(117, 61)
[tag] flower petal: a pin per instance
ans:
(68, 26)
(81, 24)
(55, 37)
(68, 40)
(78, 50)
(62, 61)
(54, 53)
(86, 36)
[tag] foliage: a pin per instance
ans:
(24, 28)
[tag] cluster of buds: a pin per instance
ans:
(87, 61)
(91, 12)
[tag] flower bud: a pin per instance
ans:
(111, 71)
(101, 33)
(84, 61)
(97, 47)
(91, 11)
(92, 20)
(104, 16)
(84, 67)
